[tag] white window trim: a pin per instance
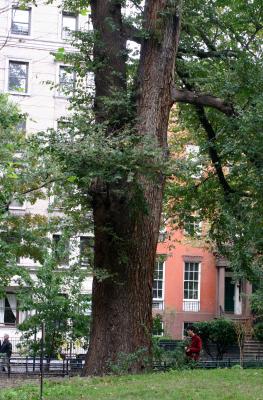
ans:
(60, 31)
(163, 291)
(199, 281)
(17, 207)
(84, 235)
(15, 35)
(14, 93)
(197, 233)
(70, 250)
(58, 94)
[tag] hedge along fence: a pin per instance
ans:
(217, 334)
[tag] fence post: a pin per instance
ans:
(8, 369)
(41, 361)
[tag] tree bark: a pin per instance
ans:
(126, 236)
(202, 99)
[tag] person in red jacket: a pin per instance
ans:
(193, 350)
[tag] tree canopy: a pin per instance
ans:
(220, 54)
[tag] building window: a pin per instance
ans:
(18, 77)
(17, 207)
(192, 153)
(162, 234)
(86, 250)
(69, 24)
(21, 21)
(21, 126)
(66, 80)
(191, 281)
(158, 285)
(16, 204)
(61, 249)
(8, 310)
(193, 227)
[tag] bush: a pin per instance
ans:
(220, 332)
(171, 359)
(258, 331)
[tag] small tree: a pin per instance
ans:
(24, 171)
(242, 329)
(57, 301)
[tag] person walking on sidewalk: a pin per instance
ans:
(5, 353)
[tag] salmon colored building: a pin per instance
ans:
(192, 284)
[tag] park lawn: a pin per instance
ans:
(228, 384)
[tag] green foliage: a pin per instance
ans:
(220, 332)
(125, 362)
(170, 359)
(177, 359)
(220, 53)
(157, 325)
(257, 300)
(21, 175)
(258, 331)
(56, 300)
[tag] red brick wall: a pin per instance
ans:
(176, 248)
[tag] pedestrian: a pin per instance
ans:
(193, 349)
(5, 352)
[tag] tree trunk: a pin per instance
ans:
(126, 236)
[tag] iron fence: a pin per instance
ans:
(30, 366)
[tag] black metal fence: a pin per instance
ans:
(31, 366)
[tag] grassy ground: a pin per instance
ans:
(224, 384)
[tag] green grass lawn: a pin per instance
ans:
(228, 384)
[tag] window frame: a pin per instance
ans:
(85, 260)
(61, 261)
(29, 10)
(65, 34)
(16, 315)
(18, 61)
(60, 92)
(161, 299)
(197, 226)
(188, 280)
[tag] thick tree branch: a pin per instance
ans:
(132, 33)
(206, 54)
(202, 99)
(211, 135)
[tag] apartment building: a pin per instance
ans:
(28, 37)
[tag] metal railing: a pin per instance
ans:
(157, 305)
(31, 366)
(191, 305)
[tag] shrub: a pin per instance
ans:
(220, 332)
(258, 331)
